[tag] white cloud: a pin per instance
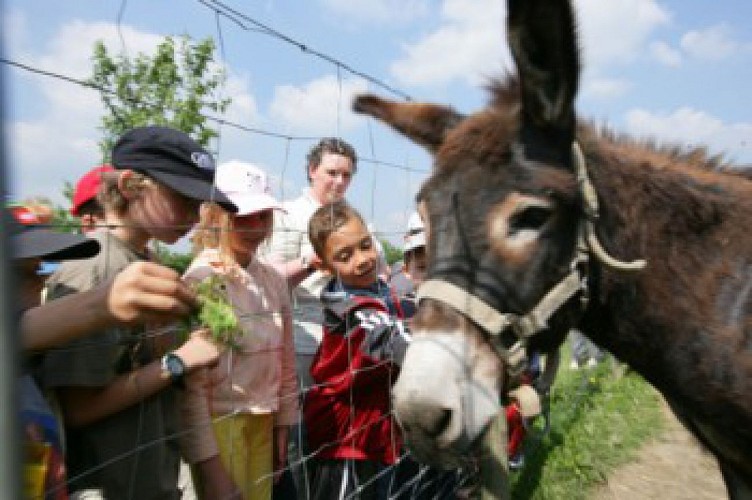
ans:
(319, 107)
(379, 11)
(606, 88)
(665, 54)
(243, 108)
(70, 49)
(713, 43)
(469, 45)
(692, 127)
(45, 154)
(61, 144)
(616, 31)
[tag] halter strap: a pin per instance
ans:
(497, 323)
(512, 351)
(482, 314)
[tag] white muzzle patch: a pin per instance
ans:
(441, 403)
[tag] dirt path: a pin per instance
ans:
(671, 467)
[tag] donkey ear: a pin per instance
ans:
(542, 38)
(426, 124)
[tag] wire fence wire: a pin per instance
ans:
(302, 460)
(409, 488)
(424, 479)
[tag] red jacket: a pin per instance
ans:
(348, 412)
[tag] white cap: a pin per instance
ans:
(247, 186)
(416, 235)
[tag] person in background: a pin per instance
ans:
(584, 352)
(384, 269)
(330, 166)
(118, 388)
(348, 417)
(407, 279)
(44, 470)
(85, 205)
(240, 421)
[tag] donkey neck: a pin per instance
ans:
(689, 225)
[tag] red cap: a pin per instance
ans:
(87, 186)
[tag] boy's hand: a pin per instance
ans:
(280, 439)
(199, 351)
(216, 483)
(145, 292)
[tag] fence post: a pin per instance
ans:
(493, 463)
(10, 462)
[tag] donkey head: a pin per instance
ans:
(501, 210)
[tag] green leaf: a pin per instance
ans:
(216, 312)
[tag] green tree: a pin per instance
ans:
(173, 87)
(391, 252)
(176, 260)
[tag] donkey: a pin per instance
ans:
(645, 249)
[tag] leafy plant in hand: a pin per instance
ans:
(215, 312)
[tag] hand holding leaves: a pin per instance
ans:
(215, 311)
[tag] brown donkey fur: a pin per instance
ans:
(503, 204)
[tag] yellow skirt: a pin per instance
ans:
(245, 447)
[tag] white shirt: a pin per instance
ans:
(288, 242)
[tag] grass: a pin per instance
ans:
(598, 421)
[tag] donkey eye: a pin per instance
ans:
(534, 217)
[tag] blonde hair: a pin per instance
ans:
(110, 195)
(214, 230)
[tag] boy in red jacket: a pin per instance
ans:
(351, 429)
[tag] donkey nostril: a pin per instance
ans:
(435, 421)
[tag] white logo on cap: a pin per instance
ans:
(203, 160)
(256, 183)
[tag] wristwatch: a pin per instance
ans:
(174, 369)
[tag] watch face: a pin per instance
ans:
(175, 366)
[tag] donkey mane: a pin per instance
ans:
(505, 94)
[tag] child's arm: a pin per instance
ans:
(386, 337)
(198, 443)
(280, 441)
(360, 345)
(297, 269)
(143, 292)
(287, 411)
(86, 405)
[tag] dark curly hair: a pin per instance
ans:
(330, 145)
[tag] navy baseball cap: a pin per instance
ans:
(172, 158)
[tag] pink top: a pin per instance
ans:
(259, 377)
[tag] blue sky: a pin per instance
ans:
(675, 70)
